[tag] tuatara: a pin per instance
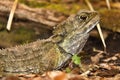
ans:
(68, 39)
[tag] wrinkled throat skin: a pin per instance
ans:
(69, 37)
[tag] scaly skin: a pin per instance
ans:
(68, 39)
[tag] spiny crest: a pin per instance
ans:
(23, 45)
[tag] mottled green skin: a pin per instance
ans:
(68, 39)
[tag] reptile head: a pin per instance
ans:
(75, 30)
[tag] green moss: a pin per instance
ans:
(34, 3)
(25, 35)
(2, 25)
(58, 6)
(64, 8)
(16, 36)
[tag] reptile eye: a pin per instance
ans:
(83, 17)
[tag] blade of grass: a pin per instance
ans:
(98, 25)
(108, 4)
(11, 15)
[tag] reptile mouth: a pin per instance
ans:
(91, 23)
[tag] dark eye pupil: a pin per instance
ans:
(83, 17)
